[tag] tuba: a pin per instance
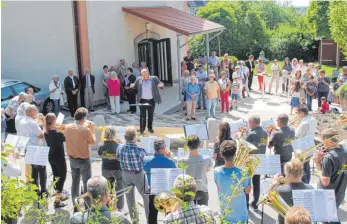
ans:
(166, 202)
(245, 160)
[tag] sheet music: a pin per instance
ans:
(163, 179)
(12, 140)
(36, 155)
(267, 123)
(148, 143)
(120, 132)
(303, 143)
(321, 204)
(22, 143)
(60, 118)
(206, 152)
(198, 129)
(269, 164)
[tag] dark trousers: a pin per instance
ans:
(72, 102)
(11, 125)
(39, 174)
(250, 80)
(59, 173)
(132, 100)
(153, 212)
(143, 114)
(256, 190)
(309, 102)
(321, 94)
(307, 173)
(201, 198)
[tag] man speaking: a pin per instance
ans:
(147, 93)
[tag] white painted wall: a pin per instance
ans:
(37, 41)
(112, 32)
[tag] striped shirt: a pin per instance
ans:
(131, 156)
(235, 88)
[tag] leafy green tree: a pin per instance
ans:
(338, 23)
(318, 16)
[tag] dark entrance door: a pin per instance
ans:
(157, 55)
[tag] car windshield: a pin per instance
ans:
(21, 87)
(6, 93)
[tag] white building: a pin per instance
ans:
(44, 38)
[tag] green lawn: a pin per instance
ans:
(328, 68)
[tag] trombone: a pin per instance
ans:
(117, 194)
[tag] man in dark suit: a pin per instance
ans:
(251, 66)
(147, 92)
(88, 82)
(71, 89)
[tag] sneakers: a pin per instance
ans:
(254, 206)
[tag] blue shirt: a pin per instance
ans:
(213, 60)
(192, 89)
(201, 75)
(147, 89)
(157, 161)
(321, 86)
(131, 157)
(225, 178)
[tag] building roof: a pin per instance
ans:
(175, 20)
(195, 3)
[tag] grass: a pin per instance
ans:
(328, 68)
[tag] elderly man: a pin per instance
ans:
(88, 82)
(78, 136)
(192, 213)
(281, 140)
(201, 75)
(147, 93)
(332, 162)
(307, 127)
(212, 95)
(29, 127)
(122, 70)
(131, 159)
(97, 191)
(71, 89)
(213, 62)
(11, 111)
(157, 160)
(135, 68)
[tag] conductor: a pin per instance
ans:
(147, 93)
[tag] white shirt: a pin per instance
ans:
(56, 94)
(73, 82)
(308, 126)
(238, 75)
(275, 69)
(30, 128)
(223, 83)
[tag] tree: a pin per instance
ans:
(318, 16)
(338, 24)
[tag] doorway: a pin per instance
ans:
(157, 55)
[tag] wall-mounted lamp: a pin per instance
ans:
(148, 26)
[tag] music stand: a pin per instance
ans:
(262, 205)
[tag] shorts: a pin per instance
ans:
(235, 96)
(294, 102)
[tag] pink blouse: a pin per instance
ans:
(113, 87)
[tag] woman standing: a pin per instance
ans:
(130, 92)
(225, 64)
(223, 134)
(111, 169)
(114, 85)
(285, 78)
(56, 158)
(224, 84)
(295, 66)
(104, 78)
(261, 69)
(55, 93)
(275, 70)
(192, 90)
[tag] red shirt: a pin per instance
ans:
(325, 107)
(113, 87)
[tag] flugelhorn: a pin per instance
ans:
(305, 155)
(166, 202)
(117, 194)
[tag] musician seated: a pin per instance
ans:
(199, 214)
(99, 212)
(298, 215)
(294, 171)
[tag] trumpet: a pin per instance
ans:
(166, 202)
(271, 128)
(78, 201)
(295, 122)
(305, 155)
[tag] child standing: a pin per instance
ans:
(3, 125)
(311, 89)
(294, 102)
(325, 105)
(235, 94)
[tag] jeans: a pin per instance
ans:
(211, 106)
(80, 167)
(39, 172)
(320, 95)
(56, 104)
(202, 96)
(309, 101)
(201, 198)
(225, 100)
(250, 80)
(307, 173)
(256, 190)
(115, 177)
(115, 104)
